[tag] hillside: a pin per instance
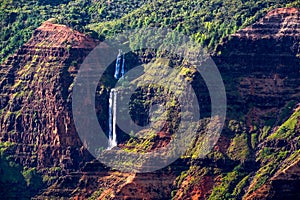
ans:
(207, 21)
(257, 154)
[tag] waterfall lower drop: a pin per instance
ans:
(113, 96)
(112, 140)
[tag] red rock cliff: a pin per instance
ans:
(35, 97)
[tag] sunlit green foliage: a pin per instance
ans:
(207, 21)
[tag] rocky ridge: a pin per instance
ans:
(35, 97)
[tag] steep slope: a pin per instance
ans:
(263, 59)
(278, 176)
(267, 53)
(260, 68)
(35, 98)
(256, 156)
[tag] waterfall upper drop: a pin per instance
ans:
(120, 65)
(113, 97)
(123, 66)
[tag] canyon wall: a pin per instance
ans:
(36, 84)
(256, 156)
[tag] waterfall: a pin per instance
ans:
(112, 140)
(118, 64)
(123, 66)
(112, 110)
(119, 74)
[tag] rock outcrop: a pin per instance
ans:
(264, 59)
(36, 83)
(269, 44)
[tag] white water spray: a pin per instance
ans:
(113, 96)
(112, 140)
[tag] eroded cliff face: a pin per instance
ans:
(271, 43)
(263, 59)
(256, 156)
(263, 65)
(36, 84)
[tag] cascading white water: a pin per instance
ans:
(113, 96)
(112, 137)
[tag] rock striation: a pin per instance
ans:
(264, 59)
(263, 64)
(271, 43)
(36, 84)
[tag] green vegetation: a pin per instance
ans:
(287, 111)
(254, 141)
(206, 21)
(18, 19)
(265, 132)
(238, 190)
(287, 129)
(231, 185)
(239, 149)
(96, 194)
(32, 178)
(273, 158)
(194, 175)
(16, 182)
(270, 163)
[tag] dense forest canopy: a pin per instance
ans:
(207, 21)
